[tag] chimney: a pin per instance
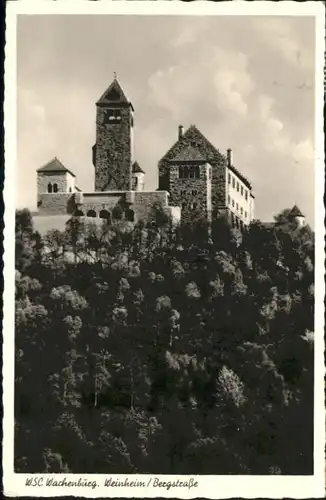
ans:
(229, 156)
(180, 131)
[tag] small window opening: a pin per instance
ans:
(91, 213)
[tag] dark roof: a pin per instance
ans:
(55, 165)
(114, 95)
(189, 153)
(295, 212)
(136, 168)
(192, 135)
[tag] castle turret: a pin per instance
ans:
(296, 215)
(54, 177)
(112, 153)
(137, 177)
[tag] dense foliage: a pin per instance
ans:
(160, 350)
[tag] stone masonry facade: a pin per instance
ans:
(113, 149)
(193, 175)
(193, 195)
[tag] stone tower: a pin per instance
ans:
(296, 215)
(113, 150)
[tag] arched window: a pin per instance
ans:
(55, 188)
(104, 214)
(91, 213)
(78, 213)
(49, 187)
(70, 190)
(130, 215)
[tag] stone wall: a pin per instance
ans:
(193, 195)
(212, 156)
(145, 201)
(56, 203)
(133, 205)
(174, 213)
(44, 178)
(71, 184)
(101, 201)
(113, 151)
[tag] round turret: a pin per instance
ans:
(296, 215)
(137, 177)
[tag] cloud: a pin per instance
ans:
(232, 81)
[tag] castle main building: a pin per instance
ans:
(195, 179)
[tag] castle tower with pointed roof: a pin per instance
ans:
(296, 215)
(113, 150)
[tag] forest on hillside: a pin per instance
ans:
(154, 349)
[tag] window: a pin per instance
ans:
(112, 116)
(246, 194)
(241, 190)
(194, 192)
(130, 215)
(237, 207)
(193, 206)
(78, 213)
(55, 188)
(246, 214)
(91, 213)
(183, 172)
(104, 214)
(233, 203)
(186, 172)
(184, 206)
(70, 190)
(238, 187)
(194, 172)
(49, 187)
(229, 200)
(233, 182)
(229, 178)
(241, 211)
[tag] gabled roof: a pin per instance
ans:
(114, 95)
(210, 154)
(295, 212)
(189, 153)
(136, 168)
(55, 165)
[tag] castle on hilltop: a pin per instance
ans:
(195, 178)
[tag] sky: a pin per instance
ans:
(246, 82)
